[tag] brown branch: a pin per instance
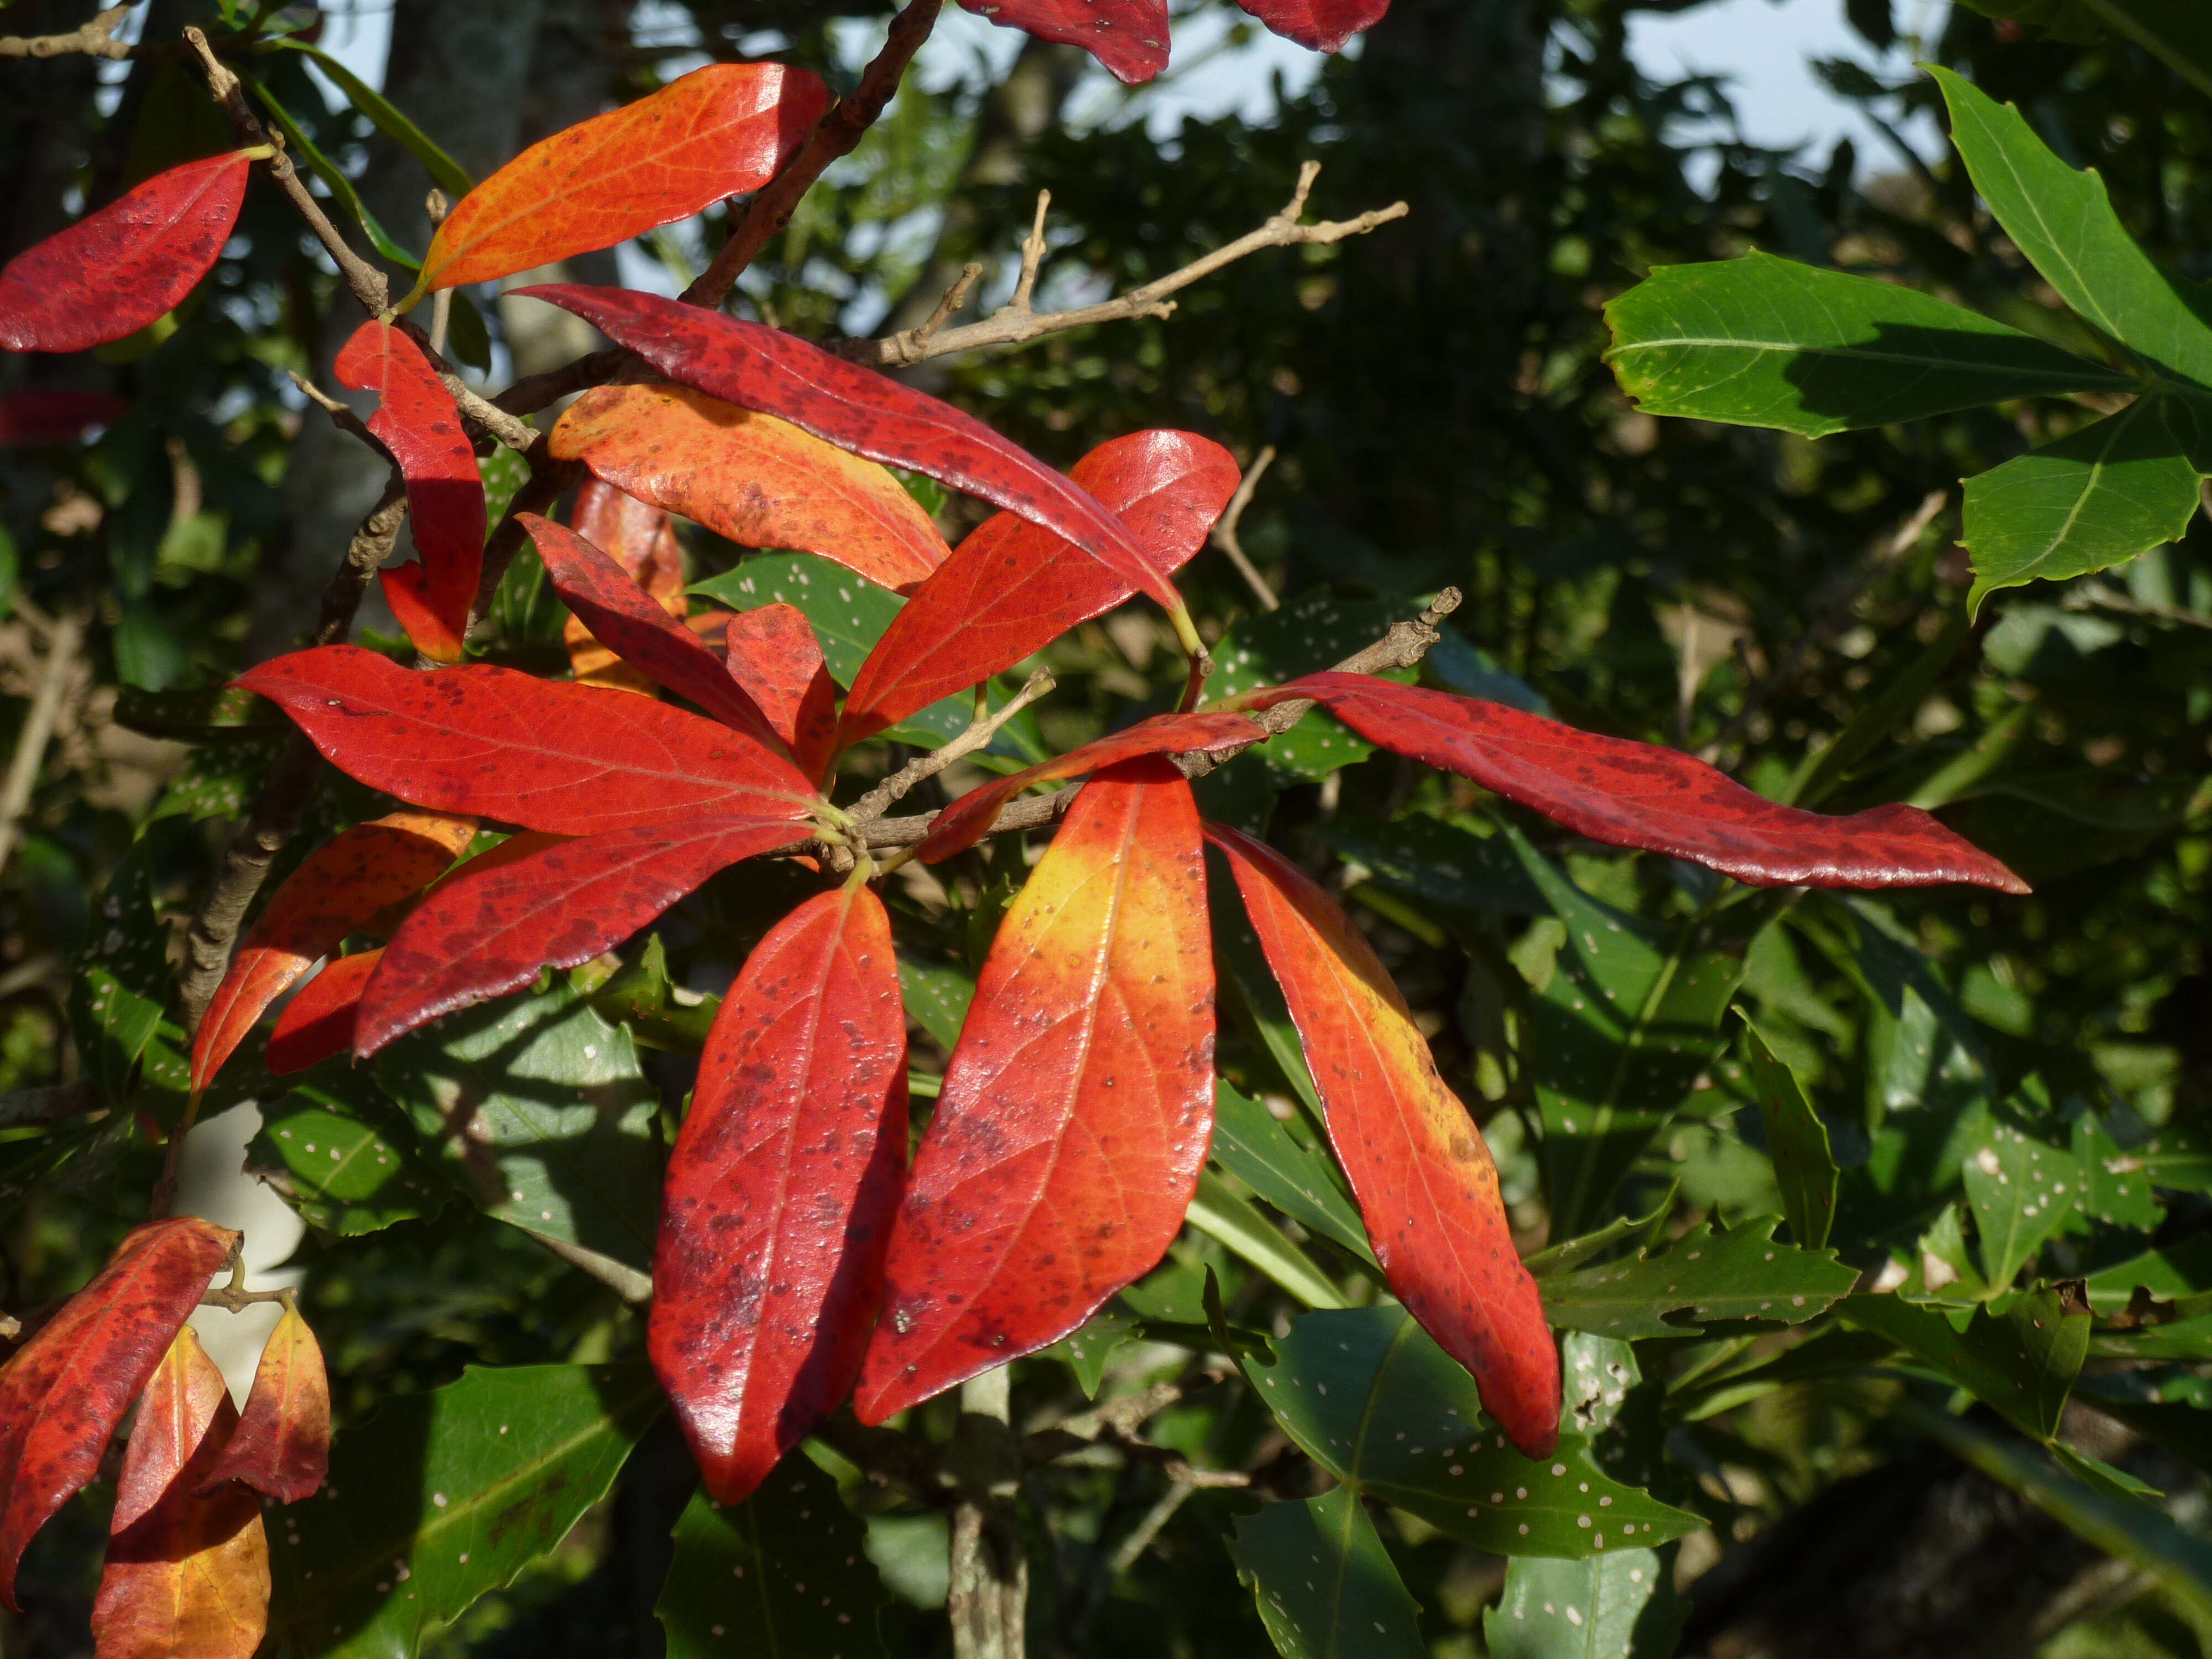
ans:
(980, 732)
(64, 638)
(2095, 596)
(989, 1568)
(93, 39)
(1224, 534)
(547, 481)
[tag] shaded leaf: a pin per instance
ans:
(2180, 1274)
(1796, 1140)
(2020, 1363)
(2022, 1190)
(174, 1414)
(1227, 1217)
(1622, 1602)
(347, 1165)
(1250, 1145)
(1439, 862)
(937, 997)
(1741, 1273)
(1325, 1585)
(445, 172)
(122, 979)
(1086, 1351)
(282, 1447)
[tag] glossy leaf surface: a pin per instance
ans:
(773, 653)
(1012, 587)
(639, 539)
(857, 408)
(1741, 1273)
(64, 1391)
(758, 481)
(282, 1447)
(1129, 37)
(1076, 1109)
(1325, 1585)
(781, 1189)
(116, 270)
(342, 1157)
(342, 885)
(1425, 1183)
(718, 131)
(53, 415)
(174, 1414)
(319, 1021)
(567, 759)
(1638, 795)
(1319, 25)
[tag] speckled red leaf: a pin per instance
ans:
(1640, 794)
(718, 131)
(639, 538)
(39, 415)
(359, 874)
(623, 617)
(1013, 587)
(572, 760)
(856, 409)
(190, 1575)
(1129, 37)
(1077, 1104)
(489, 930)
(282, 1447)
(751, 477)
(173, 1415)
(769, 1266)
(1418, 1164)
(773, 655)
(116, 270)
(420, 423)
(66, 1388)
(318, 1022)
(1323, 25)
(964, 822)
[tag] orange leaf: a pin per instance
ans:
(1077, 1104)
(318, 1022)
(173, 1414)
(773, 655)
(282, 1445)
(1418, 1164)
(756, 480)
(338, 890)
(717, 131)
(638, 538)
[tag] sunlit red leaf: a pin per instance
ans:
(964, 822)
(282, 1447)
(489, 930)
(1012, 587)
(622, 616)
(1129, 37)
(1426, 1186)
(1077, 1104)
(173, 1414)
(718, 131)
(66, 1388)
(638, 538)
(318, 1022)
(856, 409)
(418, 421)
(1323, 25)
(190, 1575)
(571, 760)
(116, 270)
(359, 874)
(781, 1191)
(773, 655)
(1640, 794)
(40, 415)
(758, 481)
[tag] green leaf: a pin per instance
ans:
(442, 1497)
(2178, 31)
(541, 1115)
(2183, 1430)
(2179, 1273)
(2115, 1189)
(1231, 1221)
(1460, 666)
(937, 997)
(785, 1572)
(1372, 1399)
(1762, 341)
(2020, 1363)
(1566, 1256)
(1600, 1608)
(444, 171)
(1438, 862)
(2178, 1156)
(2095, 498)
(2188, 1341)
(1297, 1179)
(1326, 1586)
(197, 715)
(219, 781)
(334, 179)
(341, 1162)
(1899, 698)
(1745, 1273)
(122, 979)
(2022, 1190)
(1313, 630)
(1796, 1139)
(1087, 1349)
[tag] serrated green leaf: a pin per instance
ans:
(1326, 1586)
(1085, 1351)
(1797, 1141)
(937, 997)
(1313, 630)
(2023, 1189)
(1439, 862)
(1762, 341)
(1299, 1181)
(2020, 1363)
(1600, 1608)
(345, 1163)
(122, 979)
(2188, 1341)
(1230, 1220)
(1570, 1254)
(2179, 1273)
(1744, 1273)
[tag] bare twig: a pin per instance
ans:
(955, 297)
(442, 303)
(989, 1568)
(886, 1457)
(1224, 533)
(895, 786)
(93, 39)
(1033, 252)
(64, 638)
(2094, 596)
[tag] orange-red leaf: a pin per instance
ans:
(1077, 1104)
(756, 480)
(1321, 25)
(718, 131)
(282, 1447)
(773, 655)
(639, 538)
(66, 1388)
(1014, 586)
(1129, 37)
(190, 1575)
(116, 270)
(964, 822)
(1426, 1186)
(319, 1021)
(781, 1191)
(360, 873)
(418, 421)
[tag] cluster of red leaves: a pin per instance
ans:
(1130, 37)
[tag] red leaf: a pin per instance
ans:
(638, 538)
(571, 760)
(489, 932)
(114, 271)
(1077, 1104)
(622, 616)
(1129, 37)
(964, 822)
(282, 1447)
(1011, 587)
(342, 885)
(39, 416)
(856, 409)
(1640, 794)
(319, 1021)
(1323, 25)
(420, 423)
(780, 1192)
(773, 655)
(173, 1414)
(718, 131)
(66, 1388)
(752, 478)
(1418, 1165)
